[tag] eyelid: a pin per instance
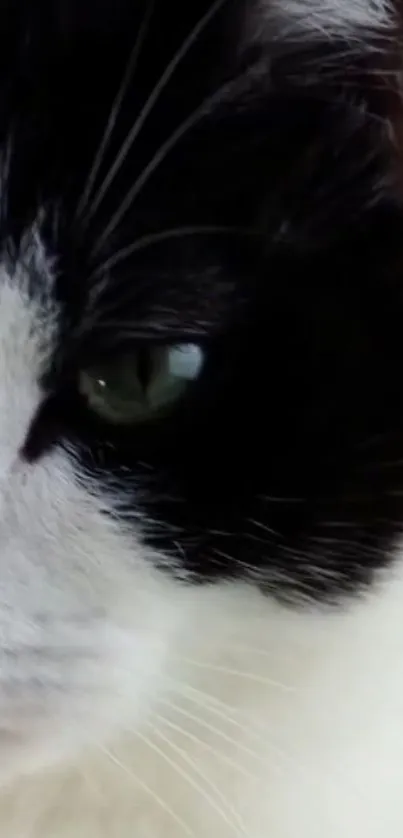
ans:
(119, 337)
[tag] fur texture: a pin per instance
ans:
(201, 621)
(312, 18)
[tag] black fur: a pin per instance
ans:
(285, 463)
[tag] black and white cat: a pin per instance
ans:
(201, 419)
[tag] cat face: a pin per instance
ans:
(200, 334)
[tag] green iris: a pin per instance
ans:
(140, 386)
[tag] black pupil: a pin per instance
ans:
(144, 368)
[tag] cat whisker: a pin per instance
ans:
(207, 704)
(196, 740)
(221, 709)
(165, 235)
(115, 110)
(186, 46)
(180, 132)
(236, 673)
(283, 758)
(263, 527)
(211, 728)
(143, 785)
(237, 825)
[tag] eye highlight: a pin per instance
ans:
(142, 385)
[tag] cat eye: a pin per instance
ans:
(142, 385)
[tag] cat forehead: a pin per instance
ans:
(339, 13)
(289, 18)
(259, 18)
(163, 161)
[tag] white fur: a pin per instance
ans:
(132, 706)
(304, 742)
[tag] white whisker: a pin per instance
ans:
(207, 746)
(190, 122)
(183, 755)
(250, 729)
(221, 714)
(239, 746)
(164, 235)
(160, 802)
(152, 100)
(115, 110)
(237, 673)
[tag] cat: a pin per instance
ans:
(201, 419)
